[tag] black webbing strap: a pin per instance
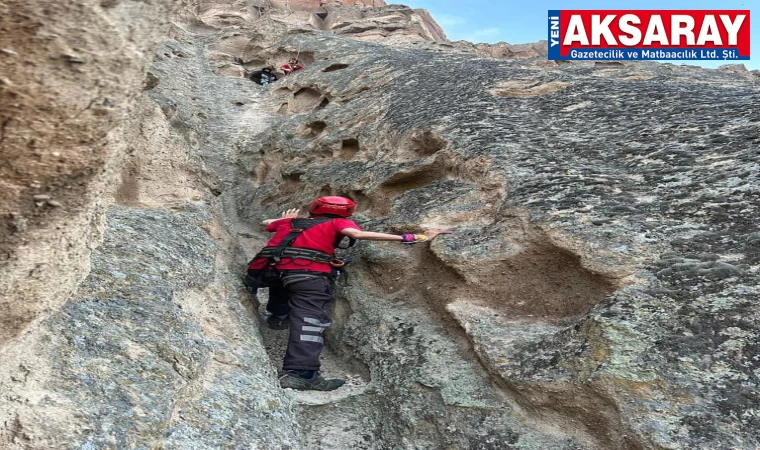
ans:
(298, 226)
(271, 253)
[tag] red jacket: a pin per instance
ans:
(320, 237)
(288, 69)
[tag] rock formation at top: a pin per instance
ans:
(310, 4)
(600, 290)
(395, 24)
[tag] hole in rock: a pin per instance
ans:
(283, 109)
(349, 148)
(414, 178)
(400, 182)
(291, 183)
(541, 283)
(325, 102)
(305, 99)
(325, 153)
(151, 81)
(227, 20)
(544, 281)
(334, 67)
(313, 129)
(323, 16)
(608, 64)
(307, 94)
(426, 143)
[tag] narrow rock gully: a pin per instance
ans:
(599, 291)
(417, 351)
(333, 364)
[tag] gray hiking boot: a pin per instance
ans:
(293, 380)
(278, 322)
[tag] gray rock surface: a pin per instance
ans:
(69, 80)
(154, 350)
(604, 266)
(599, 291)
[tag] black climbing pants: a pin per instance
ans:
(304, 297)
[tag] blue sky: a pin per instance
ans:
(517, 22)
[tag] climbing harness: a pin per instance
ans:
(285, 249)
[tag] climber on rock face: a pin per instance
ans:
(292, 66)
(264, 76)
(298, 266)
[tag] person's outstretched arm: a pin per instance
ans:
(353, 233)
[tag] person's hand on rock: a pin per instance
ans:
(433, 232)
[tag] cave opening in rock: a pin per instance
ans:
(305, 100)
(323, 104)
(313, 129)
(404, 181)
(334, 67)
(349, 148)
(427, 143)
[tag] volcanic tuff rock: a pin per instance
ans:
(502, 50)
(70, 75)
(600, 290)
(298, 5)
(396, 24)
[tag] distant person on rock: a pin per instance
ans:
(298, 266)
(264, 77)
(292, 66)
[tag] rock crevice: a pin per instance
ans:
(598, 291)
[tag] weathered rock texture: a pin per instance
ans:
(70, 73)
(502, 50)
(308, 4)
(600, 290)
(397, 23)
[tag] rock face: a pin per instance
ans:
(599, 291)
(502, 50)
(63, 93)
(589, 275)
(393, 23)
(303, 5)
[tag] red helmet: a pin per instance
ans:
(340, 206)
